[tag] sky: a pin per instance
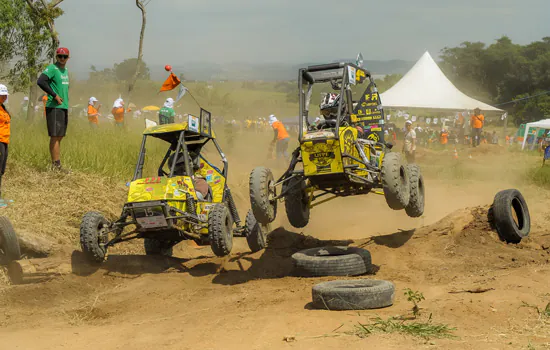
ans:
(102, 32)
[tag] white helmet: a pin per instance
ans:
(330, 101)
(3, 90)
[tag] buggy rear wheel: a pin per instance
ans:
(297, 202)
(256, 233)
(9, 245)
(220, 230)
(395, 181)
(93, 234)
(261, 190)
(415, 208)
(157, 247)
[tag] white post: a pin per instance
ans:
(525, 136)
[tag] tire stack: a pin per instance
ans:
(358, 294)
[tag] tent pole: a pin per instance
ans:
(525, 136)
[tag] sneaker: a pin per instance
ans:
(59, 169)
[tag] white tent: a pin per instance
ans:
(425, 86)
(541, 124)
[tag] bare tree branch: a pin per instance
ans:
(141, 6)
(54, 3)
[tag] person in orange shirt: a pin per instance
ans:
(118, 112)
(5, 128)
(476, 123)
(93, 112)
(280, 137)
(44, 101)
(444, 137)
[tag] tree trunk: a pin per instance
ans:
(38, 270)
(55, 40)
(32, 96)
(141, 6)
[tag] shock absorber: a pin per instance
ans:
(232, 207)
(190, 205)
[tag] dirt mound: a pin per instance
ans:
(464, 243)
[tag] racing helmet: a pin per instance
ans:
(329, 105)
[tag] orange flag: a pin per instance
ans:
(170, 83)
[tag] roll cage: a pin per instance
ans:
(338, 74)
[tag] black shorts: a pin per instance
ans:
(57, 120)
(3, 157)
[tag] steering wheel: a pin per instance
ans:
(329, 123)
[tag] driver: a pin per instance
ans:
(201, 186)
(329, 107)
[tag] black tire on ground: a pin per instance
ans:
(264, 210)
(92, 231)
(359, 294)
(510, 216)
(297, 202)
(255, 233)
(332, 261)
(395, 181)
(157, 247)
(9, 245)
(220, 230)
(415, 208)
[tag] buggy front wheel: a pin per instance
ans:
(297, 202)
(256, 233)
(395, 181)
(262, 193)
(93, 236)
(220, 230)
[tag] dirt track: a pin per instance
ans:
(251, 301)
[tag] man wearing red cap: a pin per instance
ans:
(55, 82)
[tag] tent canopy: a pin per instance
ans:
(425, 86)
(541, 124)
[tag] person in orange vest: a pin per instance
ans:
(280, 137)
(476, 122)
(93, 112)
(118, 112)
(444, 137)
(5, 128)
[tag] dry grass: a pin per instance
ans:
(50, 204)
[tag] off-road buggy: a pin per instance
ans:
(168, 208)
(345, 154)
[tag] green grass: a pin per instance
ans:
(426, 330)
(539, 176)
(105, 151)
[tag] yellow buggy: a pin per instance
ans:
(341, 153)
(188, 199)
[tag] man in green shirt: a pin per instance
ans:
(55, 82)
(166, 113)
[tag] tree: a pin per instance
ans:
(48, 12)
(127, 69)
(141, 6)
(25, 45)
(503, 72)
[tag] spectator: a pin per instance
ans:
(409, 145)
(5, 126)
(93, 112)
(494, 138)
(280, 137)
(118, 112)
(166, 113)
(476, 122)
(24, 107)
(55, 82)
(444, 137)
